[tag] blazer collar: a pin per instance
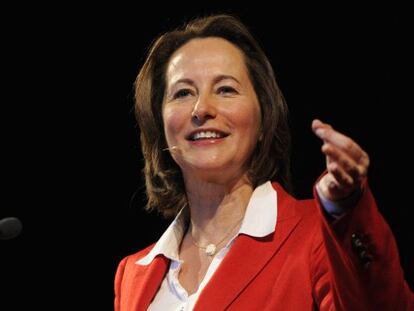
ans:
(145, 283)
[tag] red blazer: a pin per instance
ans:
(306, 264)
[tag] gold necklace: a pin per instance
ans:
(210, 249)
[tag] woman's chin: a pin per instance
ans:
(210, 172)
(206, 167)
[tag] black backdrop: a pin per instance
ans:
(71, 168)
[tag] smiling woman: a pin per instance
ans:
(216, 145)
(211, 112)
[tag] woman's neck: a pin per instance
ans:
(214, 208)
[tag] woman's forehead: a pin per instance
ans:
(207, 57)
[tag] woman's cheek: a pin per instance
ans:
(173, 122)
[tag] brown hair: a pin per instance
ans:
(270, 159)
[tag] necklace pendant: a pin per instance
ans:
(210, 250)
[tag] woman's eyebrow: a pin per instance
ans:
(184, 80)
(224, 77)
(217, 79)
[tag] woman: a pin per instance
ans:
(216, 144)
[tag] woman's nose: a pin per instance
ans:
(204, 109)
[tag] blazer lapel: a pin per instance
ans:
(145, 283)
(247, 257)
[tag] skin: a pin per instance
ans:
(346, 163)
(208, 87)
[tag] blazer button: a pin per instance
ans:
(361, 249)
(357, 244)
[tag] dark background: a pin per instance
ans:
(71, 168)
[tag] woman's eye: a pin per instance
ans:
(182, 93)
(226, 90)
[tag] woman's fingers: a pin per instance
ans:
(339, 140)
(347, 163)
(342, 148)
(341, 175)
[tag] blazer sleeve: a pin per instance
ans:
(356, 265)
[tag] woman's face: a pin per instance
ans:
(210, 111)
